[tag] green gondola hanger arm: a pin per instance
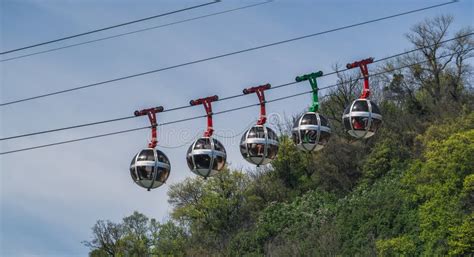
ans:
(312, 78)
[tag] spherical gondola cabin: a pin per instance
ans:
(150, 168)
(259, 145)
(362, 118)
(311, 132)
(206, 157)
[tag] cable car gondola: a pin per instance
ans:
(311, 131)
(206, 156)
(259, 144)
(150, 168)
(362, 118)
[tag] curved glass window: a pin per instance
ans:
(189, 160)
(376, 123)
(162, 175)
(243, 138)
(256, 132)
(324, 121)
(146, 155)
(252, 133)
(145, 172)
(359, 123)
(375, 108)
(133, 160)
(243, 148)
(162, 157)
(347, 123)
(271, 134)
(360, 106)
(202, 143)
(218, 145)
(219, 163)
(272, 151)
(324, 137)
(202, 161)
(256, 149)
(132, 171)
(309, 119)
(346, 111)
(309, 136)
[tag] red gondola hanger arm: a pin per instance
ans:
(362, 64)
(151, 113)
(259, 90)
(208, 107)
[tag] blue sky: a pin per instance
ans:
(51, 197)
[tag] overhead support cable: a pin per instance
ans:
(223, 98)
(216, 113)
(134, 32)
(107, 28)
(222, 55)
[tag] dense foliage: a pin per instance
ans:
(408, 191)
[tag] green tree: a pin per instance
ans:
(106, 238)
(214, 211)
(374, 212)
(461, 241)
(436, 184)
(435, 88)
(136, 237)
(407, 191)
(168, 239)
(399, 246)
(288, 228)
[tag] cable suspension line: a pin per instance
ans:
(222, 55)
(108, 28)
(219, 112)
(134, 32)
(220, 99)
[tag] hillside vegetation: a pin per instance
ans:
(407, 191)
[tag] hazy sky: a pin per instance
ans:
(51, 197)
